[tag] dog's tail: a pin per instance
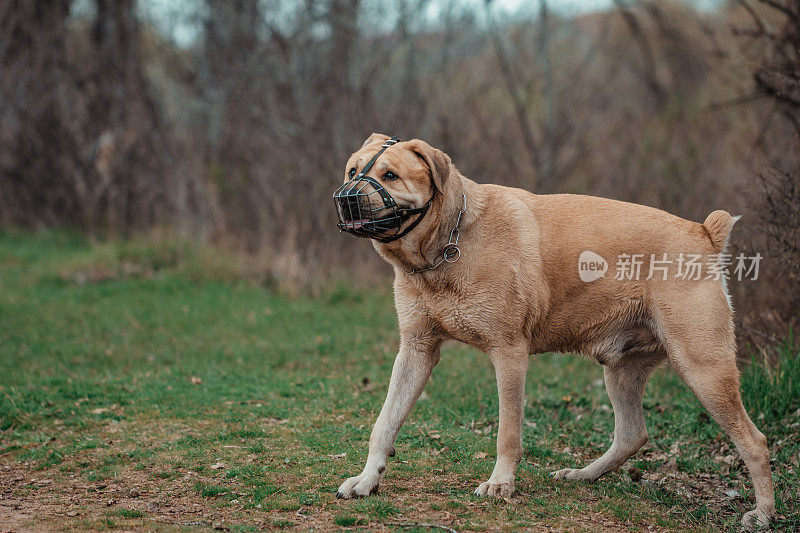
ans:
(718, 225)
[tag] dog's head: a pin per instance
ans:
(393, 195)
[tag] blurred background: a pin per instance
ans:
(229, 122)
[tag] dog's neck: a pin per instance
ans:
(424, 244)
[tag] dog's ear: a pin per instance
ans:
(438, 162)
(375, 137)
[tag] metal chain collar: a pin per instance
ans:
(451, 252)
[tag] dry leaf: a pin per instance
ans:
(433, 434)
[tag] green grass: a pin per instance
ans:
(141, 374)
(347, 520)
(128, 513)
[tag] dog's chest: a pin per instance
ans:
(469, 309)
(461, 317)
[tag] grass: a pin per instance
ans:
(145, 385)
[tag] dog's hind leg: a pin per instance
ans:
(412, 368)
(702, 348)
(625, 381)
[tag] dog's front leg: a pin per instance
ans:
(412, 368)
(510, 367)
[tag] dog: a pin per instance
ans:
(499, 268)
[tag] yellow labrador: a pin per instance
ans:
(515, 274)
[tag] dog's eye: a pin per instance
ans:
(390, 176)
(352, 172)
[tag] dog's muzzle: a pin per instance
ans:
(366, 209)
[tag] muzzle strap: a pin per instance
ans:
(384, 146)
(406, 213)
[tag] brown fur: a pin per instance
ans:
(516, 291)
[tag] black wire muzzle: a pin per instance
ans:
(366, 209)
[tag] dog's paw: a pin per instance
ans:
(495, 490)
(755, 520)
(358, 487)
(564, 473)
(570, 473)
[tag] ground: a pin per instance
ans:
(149, 387)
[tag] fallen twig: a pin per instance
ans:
(420, 524)
(167, 522)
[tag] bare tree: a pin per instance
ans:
(33, 68)
(775, 32)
